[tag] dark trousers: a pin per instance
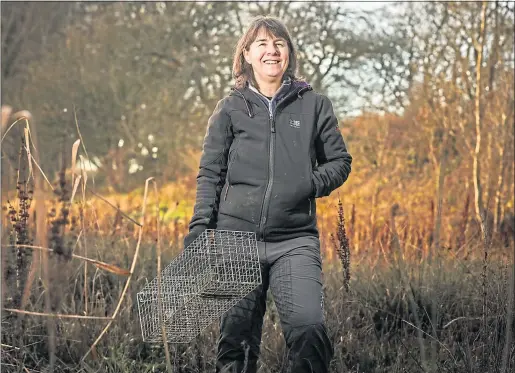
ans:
(292, 270)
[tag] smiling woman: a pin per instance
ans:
(266, 41)
(272, 147)
(269, 58)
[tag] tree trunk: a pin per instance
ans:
(476, 170)
(440, 179)
(490, 162)
(500, 179)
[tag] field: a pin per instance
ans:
(390, 307)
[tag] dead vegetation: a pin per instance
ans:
(70, 279)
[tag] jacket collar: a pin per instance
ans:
(281, 92)
(288, 89)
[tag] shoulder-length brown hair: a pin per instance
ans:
(241, 70)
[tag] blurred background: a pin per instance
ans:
(139, 81)
(424, 92)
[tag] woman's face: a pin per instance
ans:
(269, 57)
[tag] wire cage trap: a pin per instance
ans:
(211, 275)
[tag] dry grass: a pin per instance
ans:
(391, 311)
(381, 325)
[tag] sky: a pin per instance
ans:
(368, 5)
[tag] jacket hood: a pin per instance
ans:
(298, 87)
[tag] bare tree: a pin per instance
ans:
(140, 79)
(27, 30)
(344, 53)
(466, 80)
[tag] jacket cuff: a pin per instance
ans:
(193, 234)
(313, 187)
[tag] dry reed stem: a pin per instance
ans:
(81, 141)
(116, 208)
(78, 240)
(9, 346)
(56, 315)
(28, 283)
(159, 302)
(414, 306)
(483, 222)
(42, 173)
(412, 357)
(75, 148)
(75, 183)
(30, 157)
(509, 320)
(433, 338)
(3, 289)
(469, 319)
(385, 256)
(108, 267)
(75, 186)
(134, 260)
(83, 229)
(11, 126)
(41, 236)
(27, 149)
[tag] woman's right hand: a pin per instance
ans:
(193, 234)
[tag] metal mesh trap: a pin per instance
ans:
(211, 275)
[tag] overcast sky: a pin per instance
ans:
(368, 5)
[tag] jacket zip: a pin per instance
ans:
(271, 148)
(271, 159)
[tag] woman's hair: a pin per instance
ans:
(241, 70)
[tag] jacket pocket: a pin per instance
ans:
(312, 189)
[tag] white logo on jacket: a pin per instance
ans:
(295, 123)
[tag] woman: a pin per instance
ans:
(272, 146)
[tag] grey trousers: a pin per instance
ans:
(292, 270)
